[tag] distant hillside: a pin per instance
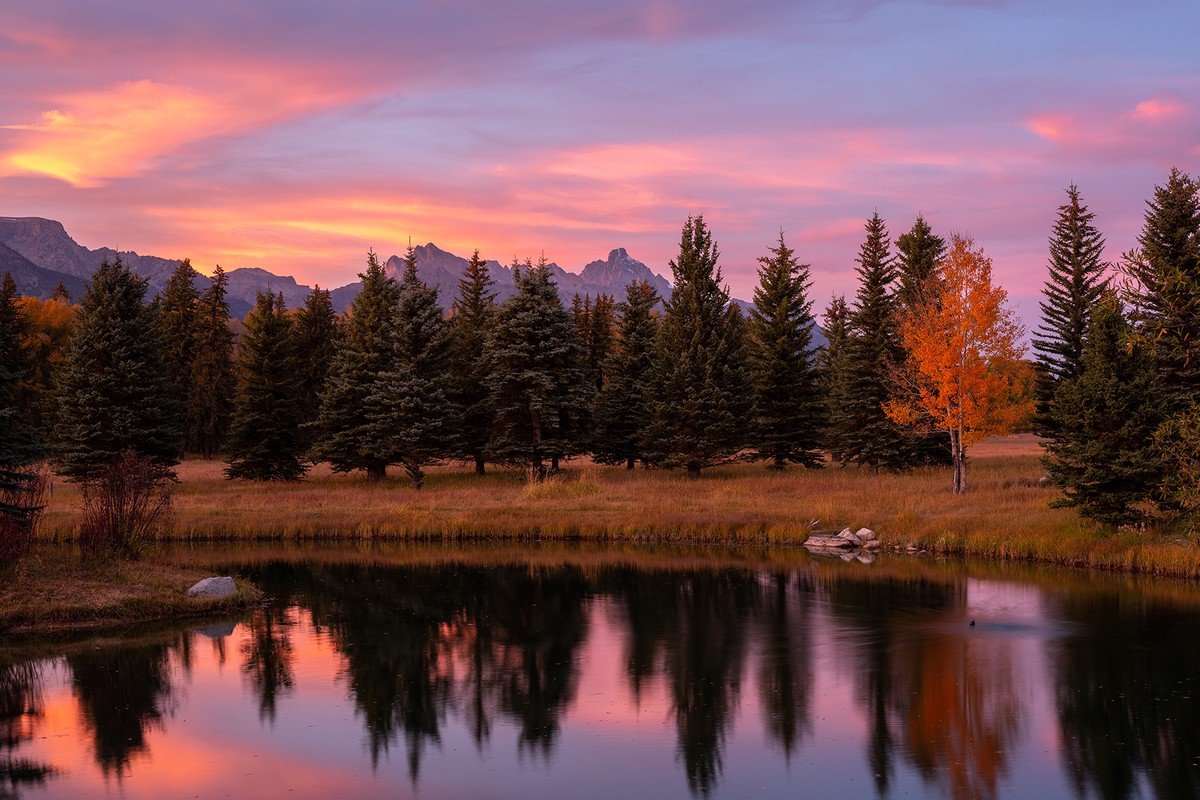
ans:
(33, 280)
(43, 253)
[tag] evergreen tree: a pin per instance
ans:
(865, 434)
(787, 404)
(1167, 297)
(1076, 283)
(115, 390)
(314, 338)
(1102, 418)
(407, 407)
(919, 251)
(178, 322)
(537, 381)
(343, 434)
(701, 405)
(264, 442)
(60, 294)
(20, 442)
(621, 412)
(834, 371)
(213, 378)
(473, 317)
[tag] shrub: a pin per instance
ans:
(126, 505)
(17, 530)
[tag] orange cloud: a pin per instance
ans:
(90, 137)
(1157, 109)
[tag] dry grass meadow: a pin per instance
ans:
(1005, 515)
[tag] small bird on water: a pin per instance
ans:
(972, 623)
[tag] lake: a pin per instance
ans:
(596, 673)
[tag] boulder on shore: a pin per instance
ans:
(213, 588)
(825, 541)
(865, 534)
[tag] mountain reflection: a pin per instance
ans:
(428, 656)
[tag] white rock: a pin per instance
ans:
(851, 537)
(866, 534)
(873, 544)
(213, 587)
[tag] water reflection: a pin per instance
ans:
(522, 678)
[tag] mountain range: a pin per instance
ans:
(40, 254)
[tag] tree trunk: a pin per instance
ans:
(693, 469)
(630, 462)
(480, 469)
(958, 461)
(415, 476)
(554, 463)
(376, 472)
(780, 463)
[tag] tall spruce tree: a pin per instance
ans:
(787, 402)
(919, 251)
(115, 391)
(213, 378)
(701, 406)
(314, 339)
(20, 441)
(178, 321)
(474, 312)
(866, 436)
(344, 436)
(264, 442)
(1166, 294)
(621, 412)
(1166, 269)
(833, 365)
(1075, 285)
(407, 407)
(537, 381)
(1103, 416)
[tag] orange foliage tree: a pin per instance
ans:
(964, 373)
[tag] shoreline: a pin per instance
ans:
(48, 594)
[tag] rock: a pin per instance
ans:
(866, 534)
(213, 587)
(850, 537)
(873, 544)
(823, 541)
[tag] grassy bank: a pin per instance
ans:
(56, 592)
(1005, 515)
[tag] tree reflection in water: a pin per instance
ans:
(492, 647)
(20, 710)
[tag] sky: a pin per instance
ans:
(295, 134)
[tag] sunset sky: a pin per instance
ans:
(295, 134)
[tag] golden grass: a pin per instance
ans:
(1005, 514)
(55, 592)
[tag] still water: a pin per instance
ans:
(614, 675)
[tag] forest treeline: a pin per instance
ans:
(924, 360)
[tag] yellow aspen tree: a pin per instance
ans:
(964, 373)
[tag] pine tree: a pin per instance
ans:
(537, 383)
(343, 434)
(473, 315)
(60, 294)
(919, 251)
(407, 407)
(1075, 284)
(20, 442)
(834, 372)
(865, 434)
(701, 405)
(787, 404)
(314, 339)
(621, 413)
(115, 390)
(1103, 417)
(213, 378)
(1167, 295)
(178, 322)
(264, 442)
